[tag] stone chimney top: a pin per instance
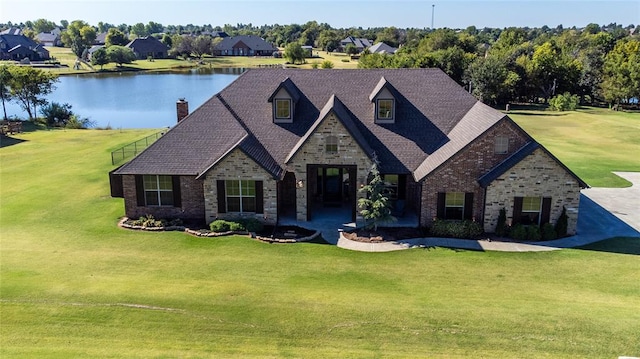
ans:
(182, 108)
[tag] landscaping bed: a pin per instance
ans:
(389, 234)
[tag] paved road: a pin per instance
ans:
(604, 213)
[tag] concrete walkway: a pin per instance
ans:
(604, 213)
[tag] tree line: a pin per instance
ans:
(596, 63)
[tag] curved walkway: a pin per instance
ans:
(604, 213)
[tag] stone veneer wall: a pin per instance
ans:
(313, 152)
(538, 175)
(192, 201)
(461, 172)
(238, 166)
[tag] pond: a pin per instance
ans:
(136, 100)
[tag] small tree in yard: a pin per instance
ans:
(100, 57)
(294, 53)
(120, 55)
(375, 207)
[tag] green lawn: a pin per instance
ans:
(72, 284)
(591, 141)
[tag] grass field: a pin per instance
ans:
(66, 57)
(72, 284)
(591, 141)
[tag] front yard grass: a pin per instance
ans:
(72, 284)
(592, 142)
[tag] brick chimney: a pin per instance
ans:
(182, 108)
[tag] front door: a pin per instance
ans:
(332, 184)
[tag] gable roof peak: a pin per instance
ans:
(383, 83)
(291, 88)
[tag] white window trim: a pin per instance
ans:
(390, 119)
(454, 206)
(275, 110)
(501, 145)
(157, 190)
(240, 195)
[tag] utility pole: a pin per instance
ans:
(433, 9)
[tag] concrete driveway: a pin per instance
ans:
(624, 203)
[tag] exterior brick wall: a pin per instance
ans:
(192, 201)
(238, 166)
(313, 152)
(461, 172)
(538, 175)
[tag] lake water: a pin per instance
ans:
(136, 100)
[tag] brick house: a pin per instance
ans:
(244, 45)
(148, 47)
(282, 143)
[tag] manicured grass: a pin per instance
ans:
(591, 141)
(65, 56)
(74, 285)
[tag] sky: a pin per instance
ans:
(338, 14)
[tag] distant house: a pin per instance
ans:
(19, 47)
(244, 45)
(359, 43)
(382, 48)
(148, 47)
(11, 31)
(283, 144)
(101, 38)
(49, 39)
(216, 33)
(92, 50)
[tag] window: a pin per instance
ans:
(385, 110)
(454, 205)
(331, 144)
(531, 207)
(240, 196)
(391, 186)
(501, 145)
(158, 190)
(283, 109)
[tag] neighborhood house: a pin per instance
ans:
(285, 143)
(244, 45)
(148, 47)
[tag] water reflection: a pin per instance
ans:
(137, 100)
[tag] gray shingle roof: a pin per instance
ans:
(381, 47)
(435, 118)
(255, 43)
(144, 45)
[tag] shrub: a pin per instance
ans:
(252, 224)
(519, 232)
(314, 65)
(548, 232)
(345, 60)
(326, 64)
(562, 224)
(220, 225)
(501, 228)
(564, 102)
(456, 229)
(533, 233)
(236, 227)
(149, 221)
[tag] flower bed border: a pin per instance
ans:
(200, 233)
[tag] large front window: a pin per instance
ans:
(283, 109)
(158, 190)
(241, 196)
(454, 205)
(531, 207)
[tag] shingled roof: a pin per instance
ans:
(255, 43)
(435, 118)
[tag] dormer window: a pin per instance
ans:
(284, 100)
(283, 110)
(385, 110)
(384, 97)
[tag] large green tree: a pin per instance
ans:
(115, 37)
(490, 80)
(621, 75)
(43, 25)
(29, 86)
(100, 57)
(294, 53)
(5, 93)
(79, 36)
(120, 55)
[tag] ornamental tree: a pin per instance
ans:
(375, 207)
